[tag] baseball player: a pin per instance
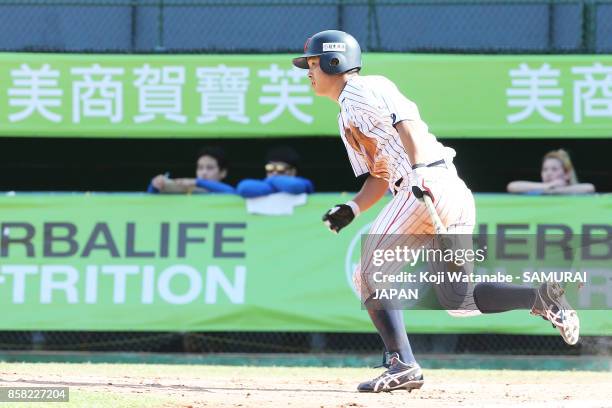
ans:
(385, 138)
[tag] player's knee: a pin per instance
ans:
(361, 288)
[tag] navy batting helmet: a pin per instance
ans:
(339, 52)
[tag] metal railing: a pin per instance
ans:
(297, 342)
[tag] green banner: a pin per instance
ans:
(138, 262)
(118, 96)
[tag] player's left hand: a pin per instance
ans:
(339, 217)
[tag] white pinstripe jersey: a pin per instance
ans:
(370, 106)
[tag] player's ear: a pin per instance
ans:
(332, 62)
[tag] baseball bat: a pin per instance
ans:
(431, 209)
(439, 228)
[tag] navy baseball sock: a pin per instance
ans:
(390, 326)
(501, 297)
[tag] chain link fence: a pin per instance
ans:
(245, 26)
(296, 342)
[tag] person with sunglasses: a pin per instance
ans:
(281, 176)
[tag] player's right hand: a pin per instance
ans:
(338, 217)
(418, 184)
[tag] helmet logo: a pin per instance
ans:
(334, 47)
(306, 44)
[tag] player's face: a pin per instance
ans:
(552, 169)
(208, 169)
(321, 82)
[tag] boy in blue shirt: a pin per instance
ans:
(211, 168)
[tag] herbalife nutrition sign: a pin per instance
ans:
(124, 262)
(264, 95)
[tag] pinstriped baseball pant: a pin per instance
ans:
(405, 222)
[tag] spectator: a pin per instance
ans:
(211, 168)
(558, 177)
(281, 176)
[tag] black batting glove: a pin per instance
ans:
(339, 217)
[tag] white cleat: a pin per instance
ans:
(552, 305)
(399, 376)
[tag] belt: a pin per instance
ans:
(398, 183)
(432, 164)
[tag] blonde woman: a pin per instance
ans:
(558, 177)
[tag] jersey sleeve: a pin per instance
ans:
(290, 184)
(251, 188)
(151, 189)
(401, 108)
(215, 186)
(358, 163)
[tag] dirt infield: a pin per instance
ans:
(114, 385)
